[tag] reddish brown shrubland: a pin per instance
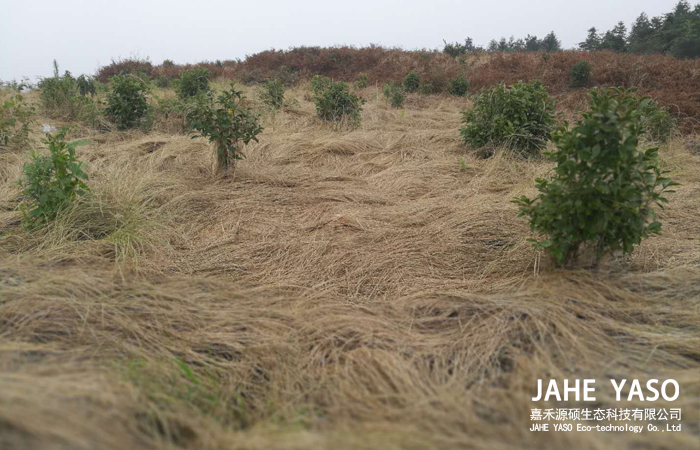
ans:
(672, 82)
(120, 66)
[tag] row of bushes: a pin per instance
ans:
(601, 197)
(522, 117)
(394, 92)
(168, 74)
(602, 193)
(669, 80)
(69, 98)
(52, 182)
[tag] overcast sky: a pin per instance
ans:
(84, 34)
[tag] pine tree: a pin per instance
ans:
(616, 39)
(685, 31)
(551, 43)
(640, 36)
(469, 44)
(532, 44)
(592, 41)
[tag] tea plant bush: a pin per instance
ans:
(459, 86)
(192, 83)
(658, 123)
(319, 83)
(272, 94)
(69, 98)
(411, 82)
(394, 93)
(227, 123)
(51, 183)
(361, 81)
(126, 101)
(162, 82)
(604, 186)
(58, 94)
(335, 103)
(16, 116)
(169, 115)
(520, 116)
(86, 85)
(580, 75)
(288, 76)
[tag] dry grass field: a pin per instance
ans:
(342, 289)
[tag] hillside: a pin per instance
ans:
(341, 289)
(673, 82)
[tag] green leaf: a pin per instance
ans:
(186, 371)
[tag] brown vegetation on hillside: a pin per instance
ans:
(673, 82)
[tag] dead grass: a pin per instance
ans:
(341, 289)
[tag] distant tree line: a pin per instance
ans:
(549, 43)
(676, 33)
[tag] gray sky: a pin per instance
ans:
(83, 34)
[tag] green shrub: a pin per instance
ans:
(394, 93)
(361, 81)
(319, 83)
(336, 103)
(520, 116)
(86, 85)
(67, 97)
(657, 122)
(192, 83)
(604, 186)
(411, 82)
(456, 49)
(459, 86)
(57, 94)
(17, 86)
(162, 82)
(580, 75)
(172, 115)
(272, 94)
(51, 183)
(439, 81)
(126, 101)
(15, 119)
(288, 76)
(88, 112)
(227, 123)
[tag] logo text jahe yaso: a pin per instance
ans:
(668, 390)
